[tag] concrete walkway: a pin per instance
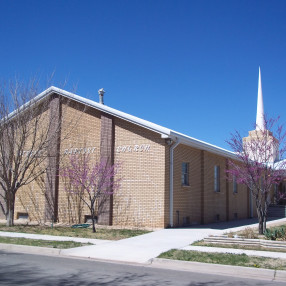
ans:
(145, 248)
(141, 249)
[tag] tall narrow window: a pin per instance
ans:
(185, 174)
(234, 185)
(217, 178)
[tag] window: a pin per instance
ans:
(217, 179)
(185, 174)
(22, 216)
(234, 185)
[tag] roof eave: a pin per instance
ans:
(192, 142)
(165, 132)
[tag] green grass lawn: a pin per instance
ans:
(101, 233)
(42, 243)
(226, 259)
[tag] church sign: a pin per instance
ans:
(133, 148)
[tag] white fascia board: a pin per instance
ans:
(35, 100)
(165, 132)
(193, 142)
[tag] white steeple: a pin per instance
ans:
(260, 120)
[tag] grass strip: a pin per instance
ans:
(41, 243)
(101, 233)
(225, 259)
(237, 246)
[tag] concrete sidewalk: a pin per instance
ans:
(141, 249)
(145, 248)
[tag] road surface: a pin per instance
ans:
(26, 269)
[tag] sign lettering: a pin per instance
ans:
(134, 148)
(73, 151)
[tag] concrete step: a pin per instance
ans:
(246, 242)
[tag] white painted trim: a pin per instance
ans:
(165, 132)
(171, 207)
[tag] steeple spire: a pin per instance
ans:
(260, 120)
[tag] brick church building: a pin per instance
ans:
(168, 179)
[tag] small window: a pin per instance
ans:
(234, 185)
(185, 174)
(217, 179)
(22, 216)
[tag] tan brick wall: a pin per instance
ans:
(30, 198)
(214, 202)
(79, 130)
(143, 199)
(238, 202)
(199, 201)
(140, 200)
(187, 199)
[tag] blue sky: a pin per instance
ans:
(191, 66)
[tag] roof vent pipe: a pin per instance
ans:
(101, 94)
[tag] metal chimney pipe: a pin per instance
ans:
(101, 94)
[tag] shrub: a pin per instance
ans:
(249, 233)
(230, 235)
(276, 233)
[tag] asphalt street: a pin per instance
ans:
(27, 269)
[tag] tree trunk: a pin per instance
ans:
(264, 223)
(260, 222)
(93, 224)
(265, 213)
(260, 227)
(93, 220)
(10, 210)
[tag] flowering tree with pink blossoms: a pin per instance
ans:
(260, 164)
(92, 181)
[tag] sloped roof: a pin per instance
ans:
(165, 132)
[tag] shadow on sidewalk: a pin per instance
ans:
(229, 224)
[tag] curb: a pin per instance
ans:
(31, 249)
(198, 267)
(218, 269)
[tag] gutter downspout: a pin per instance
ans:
(177, 142)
